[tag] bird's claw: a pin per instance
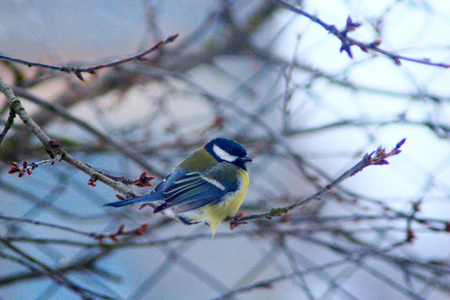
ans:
(234, 221)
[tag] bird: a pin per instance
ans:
(208, 186)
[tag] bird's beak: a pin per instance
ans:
(247, 159)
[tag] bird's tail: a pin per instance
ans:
(146, 198)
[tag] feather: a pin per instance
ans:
(147, 198)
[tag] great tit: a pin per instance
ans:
(208, 186)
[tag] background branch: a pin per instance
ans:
(78, 71)
(252, 71)
(347, 41)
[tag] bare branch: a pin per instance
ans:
(56, 276)
(377, 157)
(348, 42)
(53, 148)
(8, 125)
(93, 69)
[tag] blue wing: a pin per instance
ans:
(184, 192)
(193, 191)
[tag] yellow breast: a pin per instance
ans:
(228, 207)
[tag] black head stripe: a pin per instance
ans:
(228, 146)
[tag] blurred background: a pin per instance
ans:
(272, 80)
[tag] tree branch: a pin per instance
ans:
(53, 148)
(56, 276)
(8, 125)
(93, 69)
(377, 157)
(347, 41)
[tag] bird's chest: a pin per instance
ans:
(230, 204)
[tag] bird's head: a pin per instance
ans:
(225, 150)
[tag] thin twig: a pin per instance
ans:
(347, 41)
(377, 157)
(8, 125)
(441, 130)
(93, 69)
(56, 276)
(50, 225)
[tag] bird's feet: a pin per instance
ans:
(234, 221)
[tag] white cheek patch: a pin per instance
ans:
(223, 154)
